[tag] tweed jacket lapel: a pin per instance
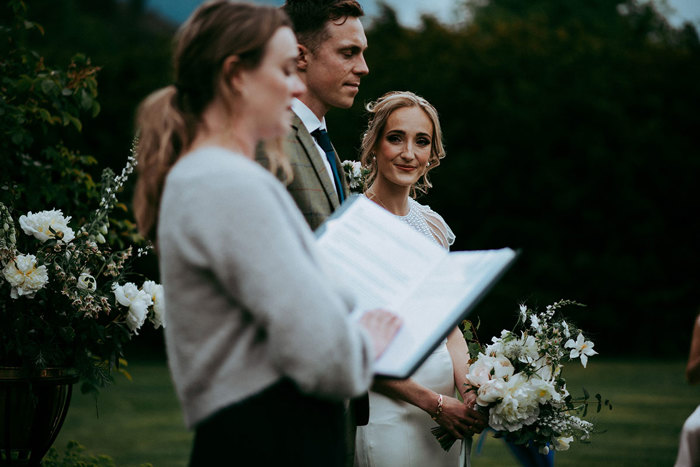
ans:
(306, 141)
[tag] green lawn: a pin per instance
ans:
(141, 422)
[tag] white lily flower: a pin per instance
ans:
(25, 277)
(580, 348)
(47, 225)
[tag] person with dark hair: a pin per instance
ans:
(331, 64)
(403, 142)
(260, 345)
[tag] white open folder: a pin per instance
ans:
(387, 264)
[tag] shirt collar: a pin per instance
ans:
(307, 117)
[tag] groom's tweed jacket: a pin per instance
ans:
(311, 188)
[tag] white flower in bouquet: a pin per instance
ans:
(87, 282)
(518, 406)
(502, 368)
(47, 225)
(480, 371)
(138, 302)
(500, 345)
(580, 348)
(24, 276)
(490, 392)
(565, 329)
(157, 294)
(562, 443)
(528, 349)
(544, 391)
(547, 371)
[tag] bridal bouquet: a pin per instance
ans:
(355, 175)
(65, 299)
(518, 381)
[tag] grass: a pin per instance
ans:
(141, 422)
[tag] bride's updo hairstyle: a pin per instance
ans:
(169, 118)
(379, 111)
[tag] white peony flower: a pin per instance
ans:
(517, 408)
(562, 443)
(490, 392)
(138, 302)
(155, 291)
(580, 348)
(480, 370)
(47, 225)
(502, 368)
(87, 282)
(25, 277)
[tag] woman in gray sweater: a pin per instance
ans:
(260, 347)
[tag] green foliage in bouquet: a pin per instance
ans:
(64, 296)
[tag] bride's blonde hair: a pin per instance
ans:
(380, 110)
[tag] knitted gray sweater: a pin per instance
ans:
(247, 300)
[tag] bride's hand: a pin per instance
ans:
(456, 418)
(481, 419)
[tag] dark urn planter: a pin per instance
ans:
(32, 410)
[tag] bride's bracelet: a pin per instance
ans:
(439, 408)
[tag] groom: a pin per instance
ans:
(331, 64)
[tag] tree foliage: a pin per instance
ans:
(39, 107)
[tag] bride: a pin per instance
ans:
(402, 143)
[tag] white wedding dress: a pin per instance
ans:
(398, 433)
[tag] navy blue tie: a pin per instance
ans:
(324, 141)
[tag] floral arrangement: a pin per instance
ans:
(64, 295)
(518, 381)
(355, 175)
